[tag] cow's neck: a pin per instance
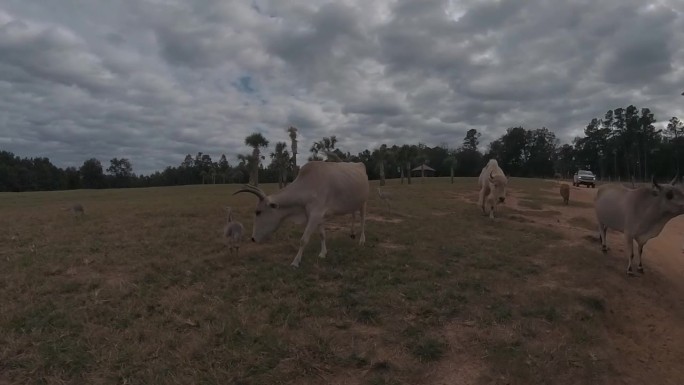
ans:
(292, 204)
(655, 217)
(288, 197)
(657, 225)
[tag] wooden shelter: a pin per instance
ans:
(417, 171)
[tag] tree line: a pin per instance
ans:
(621, 145)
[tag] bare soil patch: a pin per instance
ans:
(641, 329)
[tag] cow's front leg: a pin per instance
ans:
(630, 249)
(640, 250)
(311, 225)
(324, 250)
(353, 234)
(481, 202)
(490, 205)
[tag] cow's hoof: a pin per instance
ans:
(294, 265)
(352, 236)
(630, 273)
(321, 255)
(604, 250)
(640, 269)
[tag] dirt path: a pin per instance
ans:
(663, 253)
(643, 333)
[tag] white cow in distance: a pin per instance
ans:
(492, 183)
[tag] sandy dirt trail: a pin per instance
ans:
(664, 253)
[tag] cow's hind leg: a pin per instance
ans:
(630, 248)
(324, 250)
(602, 237)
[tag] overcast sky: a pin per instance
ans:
(153, 80)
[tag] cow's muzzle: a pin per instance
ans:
(502, 199)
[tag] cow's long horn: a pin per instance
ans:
(254, 190)
(675, 179)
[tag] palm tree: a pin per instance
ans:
(451, 162)
(212, 173)
(245, 166)
(401, 156)
(380, 154)
(407, 154)
(324, 146)
(257, 142)
(293, 139)
(281, 160)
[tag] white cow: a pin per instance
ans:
(320, 189)
(640, 213)
(492, 183)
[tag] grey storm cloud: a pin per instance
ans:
(155, 80)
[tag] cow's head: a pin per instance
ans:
(671, 196)
(497, 187)
(267, 215)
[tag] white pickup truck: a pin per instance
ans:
(584, 177)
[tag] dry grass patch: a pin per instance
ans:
(583, 222)
(142, 290)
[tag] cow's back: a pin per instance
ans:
(344, 184)
(491, 168)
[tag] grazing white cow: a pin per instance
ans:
(320, 189)
(640, 213)
(492, 183)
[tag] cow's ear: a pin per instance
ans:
(656, 188)
(654, 183)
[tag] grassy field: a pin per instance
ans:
(142, 290)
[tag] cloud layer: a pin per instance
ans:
(153, 80)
